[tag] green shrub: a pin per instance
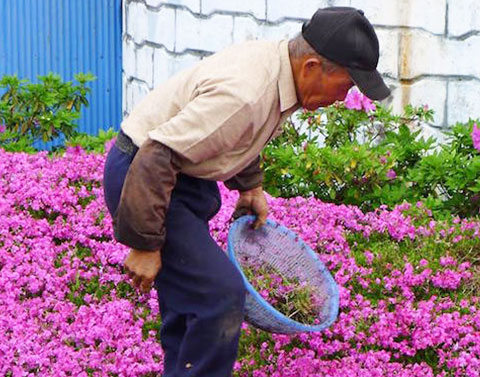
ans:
(375, 158)
(356, 164)
(42, 111)
(12, 142)
(450, 177)
(92, 143)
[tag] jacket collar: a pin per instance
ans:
(286, 83)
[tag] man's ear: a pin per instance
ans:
(310, 65)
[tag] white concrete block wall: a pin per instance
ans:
(463, 100)
(161, 27)
(430, 91)
(193, 5)
(425, 14)
(280, 9)
(430, 49)
(246, 28)
(206, 34)
(463, 17)
(428, 54)
(165, 63)
(389, 59)
(137, 27)
(253, 7)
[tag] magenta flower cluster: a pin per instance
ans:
(358, 101)
(476, 137)
(64, 309)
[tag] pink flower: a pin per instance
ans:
(42, 330)
(353, 101)
(369, 256)
(357, 101)
(476, 137)
(74, 150)
(368, 105)
(391, 174)
(2, 128)
(423, 262)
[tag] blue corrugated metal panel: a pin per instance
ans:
(66, 37)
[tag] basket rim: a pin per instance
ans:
(334, 298)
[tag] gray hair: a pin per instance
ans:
(298, 47)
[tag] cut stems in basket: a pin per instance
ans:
(294, 299)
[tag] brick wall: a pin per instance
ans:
(430, 49)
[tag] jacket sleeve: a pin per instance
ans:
(248, 178)
(139, 219)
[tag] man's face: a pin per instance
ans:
(321, 84)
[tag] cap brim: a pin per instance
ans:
(370, 83)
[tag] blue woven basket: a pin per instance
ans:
(282, 249)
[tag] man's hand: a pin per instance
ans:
(252, 202)
(142, 267)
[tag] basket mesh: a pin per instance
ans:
(281, 249)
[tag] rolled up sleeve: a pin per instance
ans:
(140, 216)
(248, 178)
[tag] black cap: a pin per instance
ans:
(345, 36)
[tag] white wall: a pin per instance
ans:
(430, 49)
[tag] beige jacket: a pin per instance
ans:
(218, 115)
(210, 121)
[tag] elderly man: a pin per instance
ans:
(209, 123)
